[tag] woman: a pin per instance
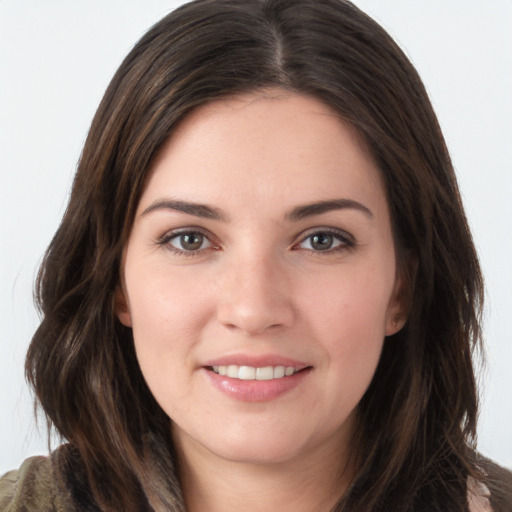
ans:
(263, 292)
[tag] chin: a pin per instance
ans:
(242, 444)
(265, 453)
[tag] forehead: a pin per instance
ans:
(266, 146)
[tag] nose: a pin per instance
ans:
(255, 296)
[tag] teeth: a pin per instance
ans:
(266, 373)
(279, 372)
(232, 371)
(250, 373)
(246, 373)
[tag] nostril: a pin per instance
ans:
(253, 295)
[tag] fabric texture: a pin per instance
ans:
(57, 484)
(41, 485)
(34, 486)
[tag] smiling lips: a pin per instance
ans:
(252, 373)
(265, 381)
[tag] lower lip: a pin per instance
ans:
(255, 390)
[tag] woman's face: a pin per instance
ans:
(260, 279)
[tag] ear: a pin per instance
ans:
(396, 315)
(394, 323)
(400, 303)
(121, 307)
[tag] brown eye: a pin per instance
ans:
(326, 241)
(321, 241)
(188, 242)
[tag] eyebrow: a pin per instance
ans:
(309, 210)
(299, 212)
(196, 209)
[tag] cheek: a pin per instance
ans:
(166, 319)
(354, 351)
(349, 318)
(167, 315)
(353, 300)
(353, 346)
(164, 307)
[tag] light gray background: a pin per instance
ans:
(56, 59)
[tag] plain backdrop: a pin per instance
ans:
(56, 59)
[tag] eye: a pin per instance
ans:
(187, 241)
(326, 240)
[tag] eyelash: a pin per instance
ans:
(166, 239)
(346, 241)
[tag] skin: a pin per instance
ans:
(259, 286)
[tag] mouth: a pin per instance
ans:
(263, 382)
(254, 373)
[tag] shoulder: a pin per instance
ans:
(31, 487)
(44, 484)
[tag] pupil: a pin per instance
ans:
(191, 241)
(321, 241)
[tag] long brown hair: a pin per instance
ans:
(418, 418)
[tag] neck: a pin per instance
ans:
(312, 482)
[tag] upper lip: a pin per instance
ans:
(254, 361)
